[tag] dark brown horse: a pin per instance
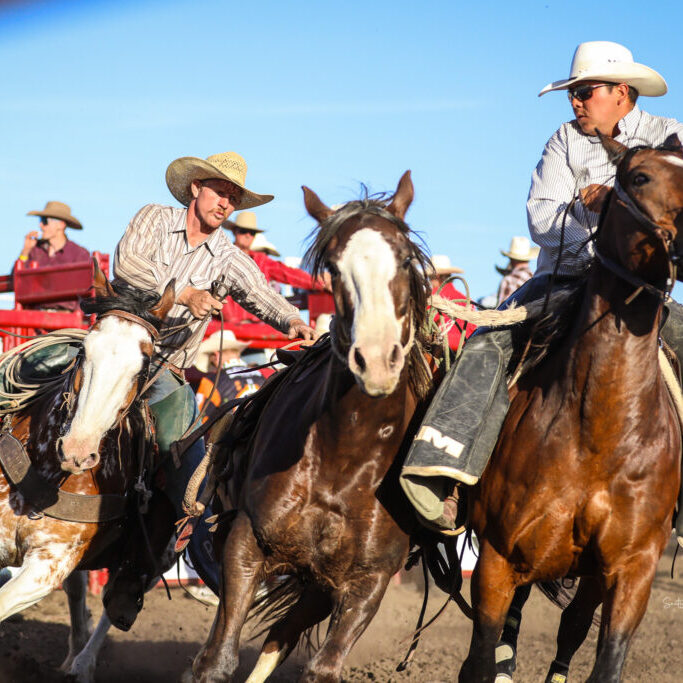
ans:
(320, 499)
(84, 437)
(584, 477)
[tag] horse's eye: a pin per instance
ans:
(333, 270)
(406, 263)
(640, 179)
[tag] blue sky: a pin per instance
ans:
(99, 97)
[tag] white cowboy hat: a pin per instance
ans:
(260, 243)
(600, 60)
(246, 220)
(227, 166)
(58, 210)
(212, 344)
(521, 250)
(441, 265)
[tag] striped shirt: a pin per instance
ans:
(571, 161)
(154, 249)
(513, 281)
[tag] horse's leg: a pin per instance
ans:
(626, 595)
(242, 561)
(36, 578)
(313, 606)
(354, 607)
(83, 667)
(492, 589)
(575, 623)
(506, 649)
(75, 586)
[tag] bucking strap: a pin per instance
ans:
(49, 500)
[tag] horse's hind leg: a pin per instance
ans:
(626, 595)
(83, 666)
(575, 623)
(506, 649)
(354, 607)
(312, 607)
(492, 592)
(242, 562)
(75, 586)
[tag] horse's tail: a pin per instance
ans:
(561, 592)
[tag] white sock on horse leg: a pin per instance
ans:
(28, 586)
(266, 664)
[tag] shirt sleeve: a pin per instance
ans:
(133, 257)
(250, 289)
(278, 271)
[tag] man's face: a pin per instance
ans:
(244, 238)
(215, 200)
(604, 108)
(51, 228)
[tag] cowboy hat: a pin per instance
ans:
(441, 265)
(521, 250)
(260, 243)
(246, 220)
(601, 60)
(60, 211)
(227, 166)
(212, 344)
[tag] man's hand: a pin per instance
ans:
(199, 301)
(593, 196)
(29, 242)
(299, 329)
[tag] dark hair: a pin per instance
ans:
(129, 299)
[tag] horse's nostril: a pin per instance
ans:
(360, 361)
(60, 449)
(395, 356)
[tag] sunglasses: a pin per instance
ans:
(244, 231)
(44, 220)
(584, 92)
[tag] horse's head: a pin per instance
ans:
(116, 355)
(378, 282)
(649, 184)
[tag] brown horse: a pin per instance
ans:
(84, 437)
(584, 478)
(320, 500)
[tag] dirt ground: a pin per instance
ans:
(168, 633)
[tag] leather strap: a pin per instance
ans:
(134, 319)
(49, 499)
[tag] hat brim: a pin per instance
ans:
(181, 172)
(231, 225)
(69, 220)
(209, 346)
(530, 256)
(644, 79)
(448, 271)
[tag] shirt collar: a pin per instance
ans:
(180, 225)
(627, 127)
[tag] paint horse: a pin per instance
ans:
(585, 475)
(318, 498)
(74, 453)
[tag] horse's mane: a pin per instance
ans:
(420, 287)
(129, 299)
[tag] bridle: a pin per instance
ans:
(652, 228)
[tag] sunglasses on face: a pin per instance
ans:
(44, 220)
(584, 92)
(244, 231)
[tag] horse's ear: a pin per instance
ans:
(403, 197)
(102, 286)
(316, 209)
(615, 150)
(167, 300)
(673, 142)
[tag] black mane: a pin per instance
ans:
(129, 299)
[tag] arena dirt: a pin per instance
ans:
(168, 633)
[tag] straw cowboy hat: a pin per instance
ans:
(227, 166)
(212, 344)
(60, 211)
(246, 220)
(521, 250)
(600, 60)
(260, 243)
(441, 265)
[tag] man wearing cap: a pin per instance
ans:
(472, 401)
(517, 271)
(187, 244)
(54, 248)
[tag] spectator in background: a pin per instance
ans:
(235, 380)
(517, 271)
(441, 271)
(53, 248)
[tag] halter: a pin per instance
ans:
(154, 333)
(666, 238)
